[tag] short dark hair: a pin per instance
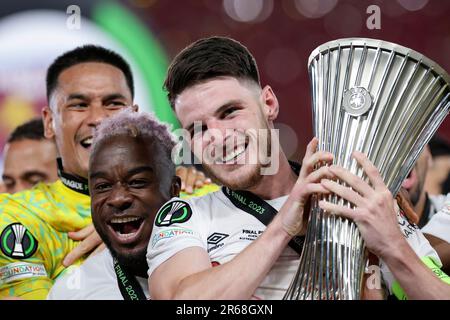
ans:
(87, 53)
(32, 130)
(206, 59)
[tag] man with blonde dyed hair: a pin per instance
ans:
(131, 175)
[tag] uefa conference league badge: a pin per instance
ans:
(173, 212)
(17, 242)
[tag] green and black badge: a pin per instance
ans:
(17, 242)
(173, 212)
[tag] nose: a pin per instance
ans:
(96, 114)
(215, 132)
(120, 199)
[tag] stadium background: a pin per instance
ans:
(280, 33)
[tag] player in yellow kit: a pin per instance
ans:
(84, 86)
(34, 239)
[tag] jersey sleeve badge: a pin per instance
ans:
(17, 242)
(176, 211)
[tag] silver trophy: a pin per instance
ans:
(386, 101)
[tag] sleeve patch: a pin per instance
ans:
(177, 211)
(170, 233)
(21, 270)
(17, 242)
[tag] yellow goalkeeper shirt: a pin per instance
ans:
(34, 240)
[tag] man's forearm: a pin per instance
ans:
(239, 278)
(415, 278)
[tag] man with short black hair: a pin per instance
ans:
(37, 239)
(84, 86)
(29, 158)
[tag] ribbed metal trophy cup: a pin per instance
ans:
(386, 101)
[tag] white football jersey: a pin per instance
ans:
(439, 224)
(214, 223)
(95, 279)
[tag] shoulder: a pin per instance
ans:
(90, 280)
(439, 224)
(21, 212)
(178, 210)
(29, 204)
(441, 202)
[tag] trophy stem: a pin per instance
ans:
(331, 265)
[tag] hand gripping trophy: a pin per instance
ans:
(386, 101)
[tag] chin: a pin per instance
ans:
(133, 254)
(241, 178)
(134, 258)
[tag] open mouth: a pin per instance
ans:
(126, 229)
(86, 142)
(234, 155)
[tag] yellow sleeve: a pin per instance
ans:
(30, 289)
(24, 269)
(207, 188)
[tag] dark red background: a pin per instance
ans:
(282, 43)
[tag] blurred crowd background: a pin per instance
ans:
(148, 33)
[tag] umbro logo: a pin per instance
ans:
(216, 237)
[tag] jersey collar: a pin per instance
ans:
(73, 182)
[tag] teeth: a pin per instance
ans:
(234, 154)
(124, 220)
(125, 235)
(87, 141)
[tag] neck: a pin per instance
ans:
(278, 184)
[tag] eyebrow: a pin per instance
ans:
(113, 96)
(218, 111)
(102, 174)
(77, 96)
(80, 96)
(137, 170)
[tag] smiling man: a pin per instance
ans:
(243, 241)
(84, 86)
(131, 176)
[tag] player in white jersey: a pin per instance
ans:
(434, 222)
(214, 87)
(95, 279)
(131, 176)
(439, 224)
(223, 230)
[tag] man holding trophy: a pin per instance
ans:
(245, 241)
